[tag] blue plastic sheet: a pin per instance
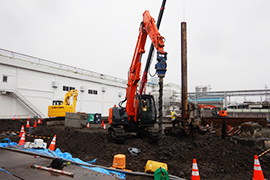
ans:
(58, 154)
(8, 144)
(68, 156)
(5, 171)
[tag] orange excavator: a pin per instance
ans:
(216, 111)
(139, 114)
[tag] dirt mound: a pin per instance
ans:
(216, 158)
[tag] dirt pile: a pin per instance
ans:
(216, 158)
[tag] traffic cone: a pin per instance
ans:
(88, 125)
(27, 124)
(39, 121)
(22, 131)
(13, 118)
(195, 171)
(102, 124)
(19, 117)
(22, 140)
(52, 145)
(35, 125)
(257, 171)
(104, 127)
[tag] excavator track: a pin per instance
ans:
(117, 134)
(154, 134)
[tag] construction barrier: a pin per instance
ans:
(27, 124)
(22, 131)
(22, 140)
(32, 136)
(52, 145)
(257, 170)
(195, 171)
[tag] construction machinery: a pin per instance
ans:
(216, 111)
(139, 114)
(58, 109)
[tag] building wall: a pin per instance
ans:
(40, 82)
(35, 83)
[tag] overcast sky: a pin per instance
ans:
(228, 40)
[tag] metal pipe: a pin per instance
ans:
(52, 170)
(185, 114)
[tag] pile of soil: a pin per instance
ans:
(216, 158)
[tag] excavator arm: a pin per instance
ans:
(148, 27)
(71, 93)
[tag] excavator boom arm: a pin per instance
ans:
(148, 27)
(71, 93)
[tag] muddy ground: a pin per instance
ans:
(217, 159)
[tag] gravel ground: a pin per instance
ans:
(216, 158)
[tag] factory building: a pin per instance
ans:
(29, 85)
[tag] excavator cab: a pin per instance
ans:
(146, 112)
(55, 102)
(146, 109)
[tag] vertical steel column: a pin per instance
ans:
(184, 103)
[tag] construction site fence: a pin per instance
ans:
(14, 117)
(208, 113)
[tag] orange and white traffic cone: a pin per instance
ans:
(52, 145)
(22, 140)
(195, 171)
(104, 127)
(102, 124)
(35, 125)
(22, 131)
(13, 118)
(257, 171)
(19, 117)
(27, 124)
(88, 125)
(39, 121)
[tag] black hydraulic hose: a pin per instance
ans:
(121, 102)
(11, 174)
(149, 58)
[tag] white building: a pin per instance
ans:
(29, 85)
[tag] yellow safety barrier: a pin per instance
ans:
(32, 136)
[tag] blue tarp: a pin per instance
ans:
(58, 154)
(5, 171)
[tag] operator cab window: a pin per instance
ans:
(5, 79)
